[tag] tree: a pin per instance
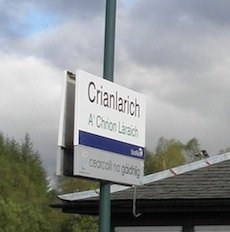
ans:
(149, 163)
(23, 189)
(80, 223)
(22, 217)
(170, 153)
(27, 146)
(192, 150)
(77, 223)
(66, 184)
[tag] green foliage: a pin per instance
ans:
(81, 224)
(171, 153)
(192, 150)
(77, 223)
(23, 189)
(24, 197)
(72, 184)
(24, 177)
(149, 163)
(22, 217)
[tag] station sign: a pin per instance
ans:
(109, 130)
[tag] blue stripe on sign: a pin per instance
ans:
(111, 145)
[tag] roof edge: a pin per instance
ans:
(185, 168)
(150, 178)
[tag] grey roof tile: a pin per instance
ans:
(212, 182)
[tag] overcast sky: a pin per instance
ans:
(175, 52)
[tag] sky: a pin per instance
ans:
(175, 52)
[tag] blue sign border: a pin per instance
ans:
(111, 145)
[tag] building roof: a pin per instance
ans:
(202, 185)
(211, 182)
(203, 176)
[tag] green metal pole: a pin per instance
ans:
(104, 214)
(110, 22)
(110, 19)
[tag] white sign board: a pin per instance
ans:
(109, 131)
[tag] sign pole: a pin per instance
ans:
(109, 39)
(110, 18)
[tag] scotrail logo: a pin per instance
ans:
(138, 153)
